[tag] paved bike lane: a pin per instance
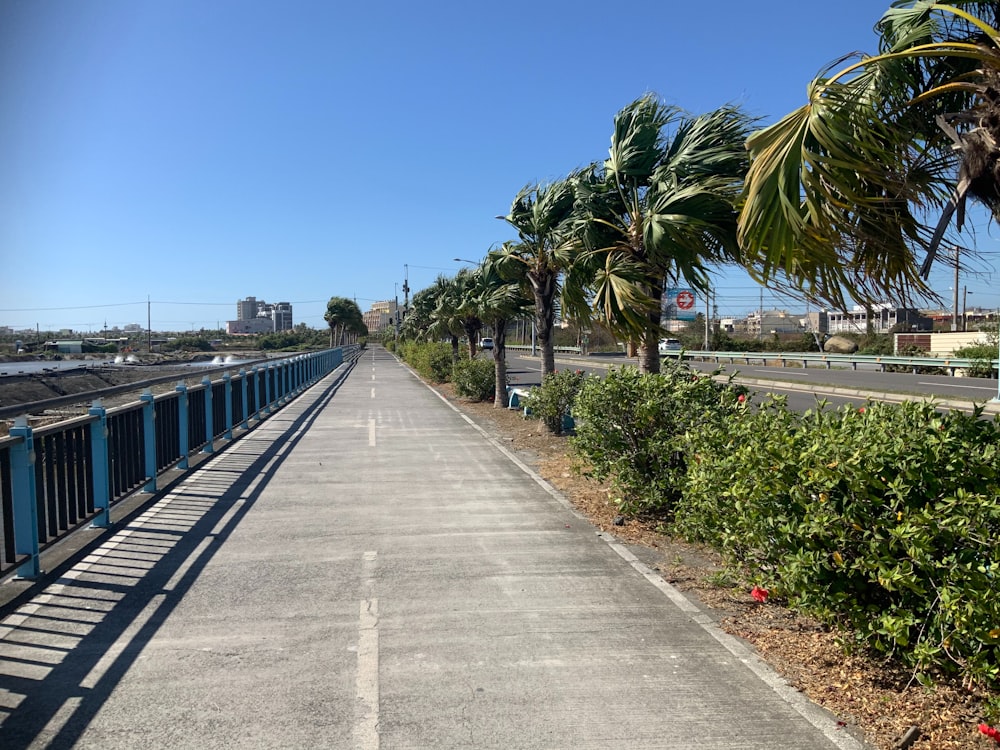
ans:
(366, 569)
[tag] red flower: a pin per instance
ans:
(741, 398)
(759, 594)
(993, 734)
(862, 410)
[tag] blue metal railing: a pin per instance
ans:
(57, 478)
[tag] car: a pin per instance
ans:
(486, 344)
(670, 345)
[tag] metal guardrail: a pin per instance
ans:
(557, 349)
(57, 478)
(950, 364)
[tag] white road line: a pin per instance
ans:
(371, 433)
(366, 714)
(373, 393)
(970, 387)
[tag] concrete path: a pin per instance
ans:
(366, 569)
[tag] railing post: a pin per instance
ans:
(227, 379)
(245, 424)
(258, 407)
(22, 470)
(99, 464)
(209, 422)
(267, 388)
(149, 438)
(183, 417)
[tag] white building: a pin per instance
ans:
(257, 316)
(884, 318)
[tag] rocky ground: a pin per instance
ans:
(881, 699)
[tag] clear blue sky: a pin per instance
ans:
(194, 153)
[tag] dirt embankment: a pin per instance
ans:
(32, 389)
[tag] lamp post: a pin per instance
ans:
(996, 399)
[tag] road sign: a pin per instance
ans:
(680, 304)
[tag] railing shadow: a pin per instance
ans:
(63, 653)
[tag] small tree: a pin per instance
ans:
(344, 316)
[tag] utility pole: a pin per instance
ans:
(760, 317)
(708, 297)
(406, 289)
(149, 326)
(954, 314)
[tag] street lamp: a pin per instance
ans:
(463, 260)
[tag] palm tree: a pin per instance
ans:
(467, 306)
(343, 316)
(844, 192)
(445, 320)
(503, 295)
(541, 215)
(660, 210)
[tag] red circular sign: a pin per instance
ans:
(685, 300)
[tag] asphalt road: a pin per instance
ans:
(802, 386)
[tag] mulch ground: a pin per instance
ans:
(879, 698)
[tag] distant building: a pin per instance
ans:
(884, 318)
(246, 309)
(382, 315)
(257, 316)
(767, 322)
(249, 327)
(281, 314)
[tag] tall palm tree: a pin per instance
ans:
(660, 210)
(445, 318)
(541, 215)
(467, 306)
(846, 192)
(503, 295)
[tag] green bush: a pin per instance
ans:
(982, 356)
(432, 361)
(554, 398)
(883, 520)
(475, 379)
(187, 343)
(631, 429)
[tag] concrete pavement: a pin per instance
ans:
(366, 569)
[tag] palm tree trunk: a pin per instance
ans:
(649, 346)
(454, 348)
(544, 287)
(500, 363)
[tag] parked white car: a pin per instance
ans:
(670, 345)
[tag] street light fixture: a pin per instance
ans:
(463, 260)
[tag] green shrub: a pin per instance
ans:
(982, 356)
(475, 379)
(554, 398)
(883, 520)
(432, 361)
(631, 429)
